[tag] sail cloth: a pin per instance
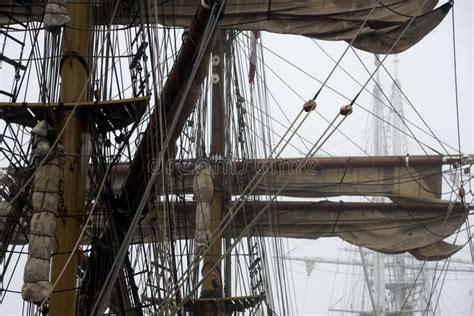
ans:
(254, 36)
(418, 227)
(420, 232)
(46, 195)
(326, 20)
(324, 177)
(55, 15)
(409, 181)
(203, 189)
(321, 19)
(319, 177)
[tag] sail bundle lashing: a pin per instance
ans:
(55, 15)
(46, 200)
(203, 188)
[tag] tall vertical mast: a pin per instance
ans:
(74, 80)
(398, 147)
(212, 285)
(379, 149)
(397, 137)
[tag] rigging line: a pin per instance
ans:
(403, 120)
(348, 99)
(444, 269)
(264, 109)
(262, 172)
(162, 124)
(245, 231)
(409, 102)
(381, 229)
(367, 280)
(386, 55)
(211, 25)
(273, 133)
(303, 139)
(346, 50)
(389, 7)
(431, 132)
(257, 178)
(66, 123)
(470, 236)
(406, 178)
(456, 89)
(412, 288)
(319, 114)
(276, 268)
(382, 101)
(97, 198)
(5, 289)
(265, 91)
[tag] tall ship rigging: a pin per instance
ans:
(143, 175)
(397, 283)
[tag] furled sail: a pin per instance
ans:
(390, 176)
(400, 24)
(55, 15)
(203, 190)
(45, 200)
(418, 228)
(328, 20)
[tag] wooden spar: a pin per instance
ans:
(115, 113)
(312, 220)
(306, 209)
(327, 206)
(149, 146)
(74, 82)
(322, 177)
(212, 284)
(287, 164)
(141, 101)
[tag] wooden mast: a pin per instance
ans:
(212, 284)
(74, 80)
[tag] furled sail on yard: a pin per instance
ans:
(321, 19)
(418, 228)
(417, 221)
(328, 20)
(45, 200)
